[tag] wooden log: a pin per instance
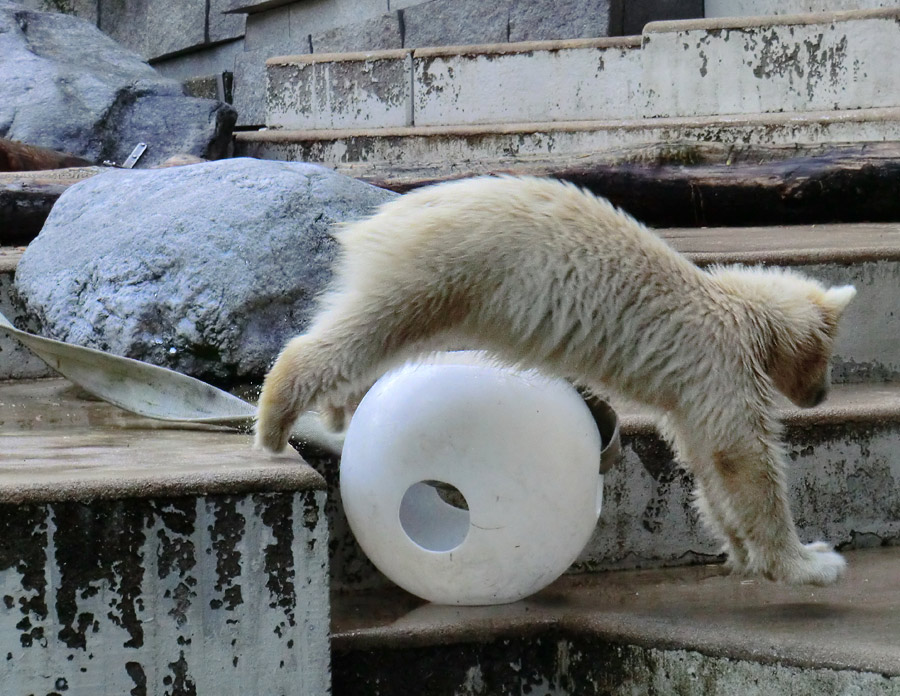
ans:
(693, 185)
(19, 157)
(27, 197)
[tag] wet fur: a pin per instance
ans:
(543, 274)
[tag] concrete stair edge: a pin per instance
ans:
(481, 84)
(713, 622)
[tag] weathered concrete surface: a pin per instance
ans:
(532, 81)
(790, 63)
(680, 631)
(207, 269)
(497, 83)
(340, 90)
(399, 154)
(145, 561)
(685, 68)
(60, 444)
(16, 361)
(755, 8)
(223, 594)
(584, 667)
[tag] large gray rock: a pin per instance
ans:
(207, 269)
(67, 86)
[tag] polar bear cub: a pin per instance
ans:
(542, 274)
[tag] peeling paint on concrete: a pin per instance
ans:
(373, 92)
(211, 595)
(760, 67)
(437, 153)
(550, 84)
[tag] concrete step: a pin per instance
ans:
(143, 558)
(16, 361)
(789, 63)
(498, 83)
(679, 631)
(786, 63)
(438, 152)
(755, 8)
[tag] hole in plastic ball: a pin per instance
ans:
(430, 521)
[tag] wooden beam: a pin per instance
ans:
(19, 157)
(710, 184)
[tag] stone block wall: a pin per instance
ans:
(155, 28)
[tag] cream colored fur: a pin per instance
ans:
(543, 274)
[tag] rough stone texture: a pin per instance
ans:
(86, 9)
(155, 28)
(271, 31)
(187, 595)
(207, 269)
(559, 19)
(250, 87)
(376, 34)
(215, 59)
(221, 26)
(68, 87)
(456, 22)
(318, 15)
(205, 87)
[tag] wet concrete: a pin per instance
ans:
(140, 557)
(57, 445)
(854, 625)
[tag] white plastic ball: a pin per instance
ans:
(521, 448)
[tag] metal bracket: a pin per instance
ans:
(132, 159)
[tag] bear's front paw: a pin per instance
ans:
(817, 564)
